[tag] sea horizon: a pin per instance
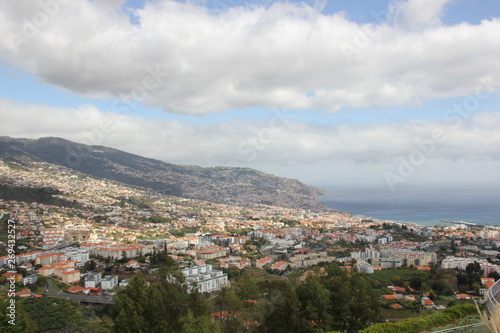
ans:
(427, 208)
(423, 213)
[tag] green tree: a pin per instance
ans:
(284, 311)
(52, 314)
(353, 304)
(247, 287)
(202, 324)
(23, 323)
(135, 308)
(97, 326)
(315, 303)
(364, 308)
(445, 281)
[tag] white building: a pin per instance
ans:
(79, 256)
(123, 283)
(205, 278)
(109, 282)
(52, 236)
(461, 263)
(365, 268)
(93, 280)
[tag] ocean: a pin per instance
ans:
(421, 212)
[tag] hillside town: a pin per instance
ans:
(111, 231)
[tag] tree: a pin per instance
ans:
(23, 323)
(192, 324)
(284, 311)
(353, 304)
(247, 287)
(315, 303)
(364, 308)
(97, 326)
(494, 275)
(53, 314)
(444, 281)
(132, 303)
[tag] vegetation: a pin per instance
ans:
(249, 304)
(422, 323)
(51, 314)
(162, 307)
(44, 195)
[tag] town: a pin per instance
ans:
(90, 248)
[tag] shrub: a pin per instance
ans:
(421, 323)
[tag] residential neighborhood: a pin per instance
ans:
(114, 232)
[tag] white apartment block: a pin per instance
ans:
(109, 282)
(205, 278)
(395, 258)
(79, 256)
(461, 263)
(93, 280)
(365, 268)
(25, 257)
(52, 237)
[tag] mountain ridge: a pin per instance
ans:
(224, 185)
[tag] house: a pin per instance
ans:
(388, 297)
(427, 303)
(462, 296)
(109, 282)
(410, 298)
(396, 306)
(396, 289)
(78, 289)
(391, 297)
(123, 283)
(280, 265)
(487, 284)
(24, 293)
(17, 277)
(263, 262)
(30, 279)
(132, 264)
(241, 264)
(423, 268)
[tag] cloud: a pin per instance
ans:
(277, 141)
(417, 14)
(187, 59)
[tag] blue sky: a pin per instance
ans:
(321, 91)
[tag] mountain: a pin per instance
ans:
(226, 185)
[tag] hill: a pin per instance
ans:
(226, 185)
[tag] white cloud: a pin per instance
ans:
(187, 60)
(277, 142)
(417, 14)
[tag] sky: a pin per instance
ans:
(386, 98)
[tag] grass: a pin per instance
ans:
(474, 319)
(397, 315)
(55, 285)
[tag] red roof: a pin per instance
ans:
(76, 289)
